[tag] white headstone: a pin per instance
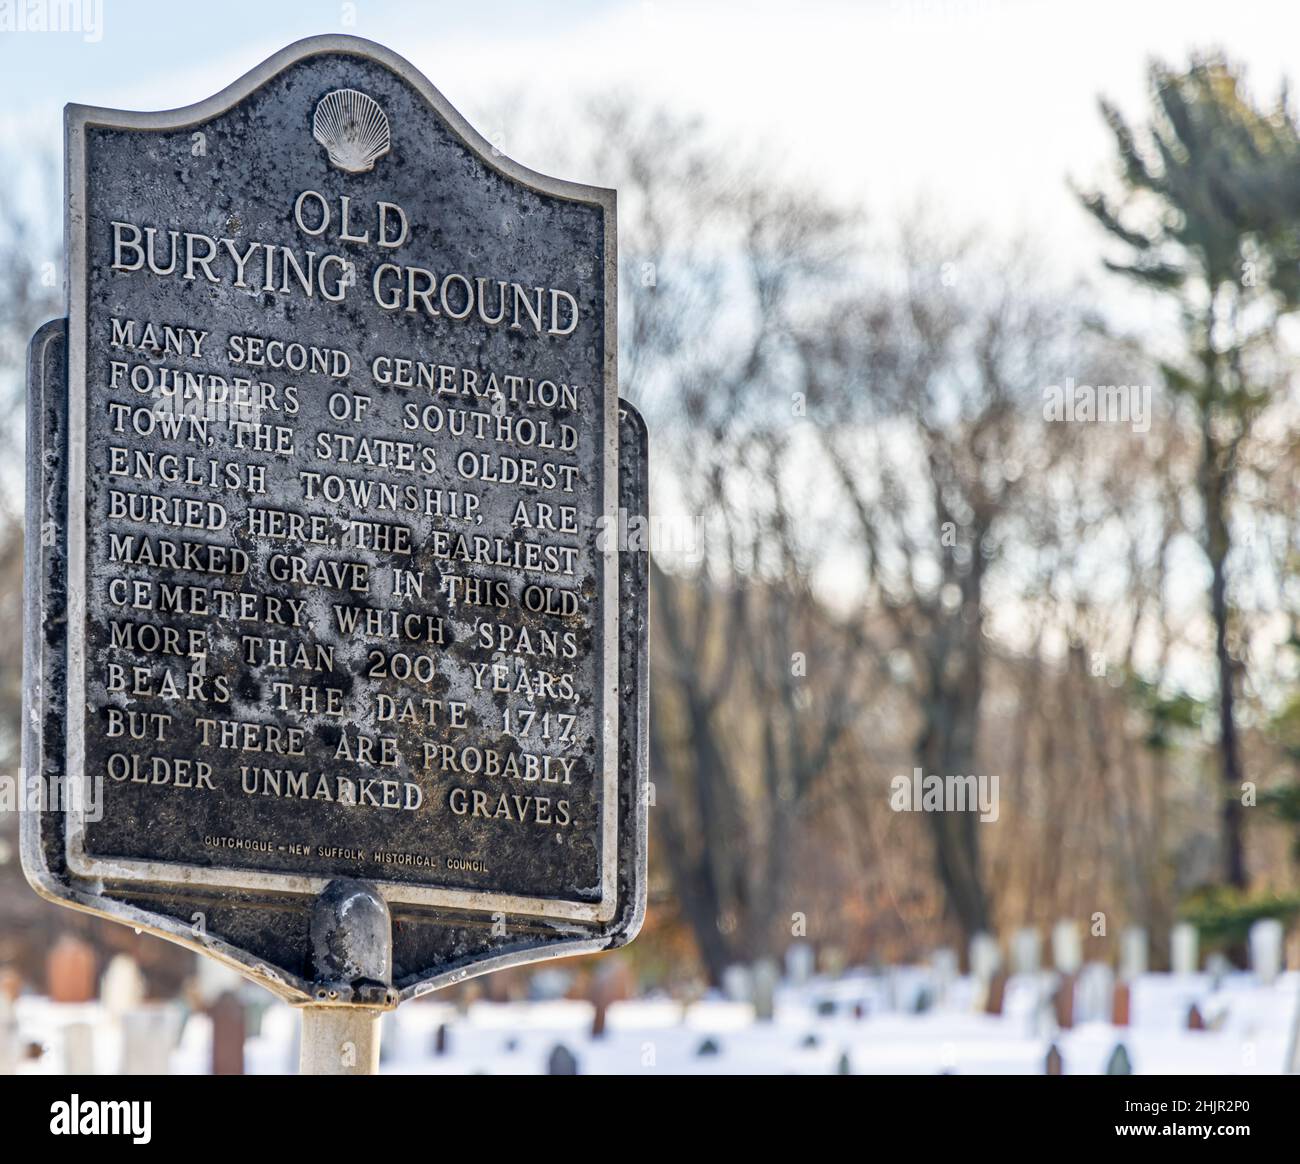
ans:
(1026, 948)
(1132, 953)
(738, 983)
(891, 987)
(800, 962)
(79, 1049)
(1266, 949)
(1183, 948)
(1067, 947)
(1218, 967)
(943, 964)
(148, 1036)
(8, 1036)
(1094, 993)
(832, 961)
(196, 1037)
(985, 958)
(122, 987)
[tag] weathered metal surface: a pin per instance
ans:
(352, 944)
(300, 624)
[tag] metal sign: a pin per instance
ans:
(327, 466)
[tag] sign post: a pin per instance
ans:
(335, 667)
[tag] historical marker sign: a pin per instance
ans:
(329, 584)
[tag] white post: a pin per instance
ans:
(352, 960)
(339, 1040)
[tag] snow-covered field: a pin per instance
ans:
(902, 1021)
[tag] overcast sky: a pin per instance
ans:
(986, 105)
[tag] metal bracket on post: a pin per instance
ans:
(352, 964)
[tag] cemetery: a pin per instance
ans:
(617, 579)
(1023, 1015)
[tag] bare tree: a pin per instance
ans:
(754, 681)
(929, 394)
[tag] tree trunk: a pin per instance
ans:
(1215, 487)
(946, 747)
(691, 874)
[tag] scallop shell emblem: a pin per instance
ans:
(352, 128)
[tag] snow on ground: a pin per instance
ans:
(897, 1022)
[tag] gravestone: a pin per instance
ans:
(8, 1036)
(121, 989)
(1067, 947)
(800, 963)
(1055, 1064)
(69, 968)
(738, 983)
(1132, 953)
(996, 995)
(1094, 993)
(1266, 949)
(79, 1049)
(338, 599)
(1026, 951)
(228, 1034)
(1121, 1011)
(1119, 1062)
(985, 958)
(561, 1061)
(1218, 968)
(766, 975)
(1063, 998)
(1183, 944)
(11, 984)
(832, 961)
(944, 968)
(148, 1036)
(613, 981)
